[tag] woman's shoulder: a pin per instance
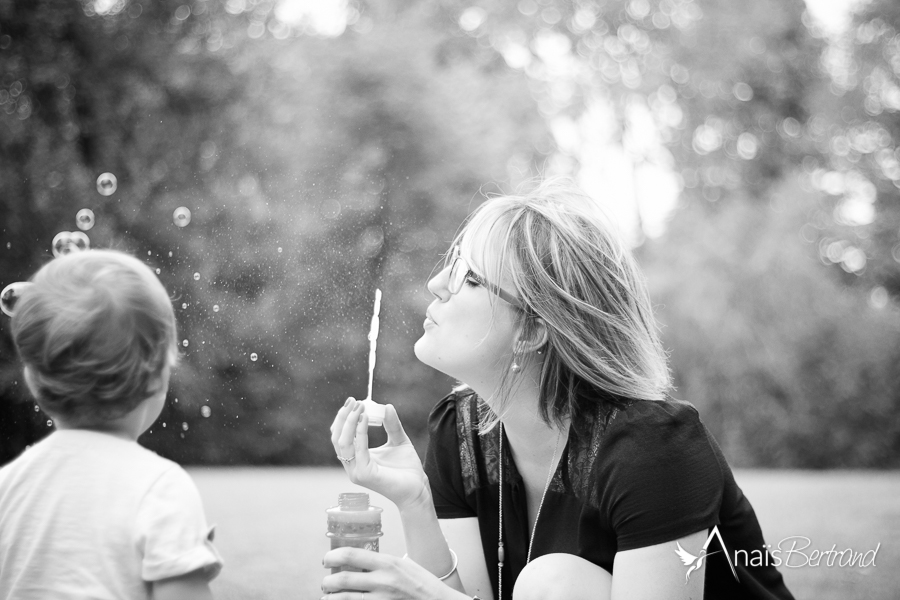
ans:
(455, 449)
(461, 402)
(652, 413)
(657, 475)
(650, 431)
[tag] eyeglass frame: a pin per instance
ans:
(457, 258)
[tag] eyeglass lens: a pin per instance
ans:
(458, 270)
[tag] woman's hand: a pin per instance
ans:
(394, 470)
(391, 578)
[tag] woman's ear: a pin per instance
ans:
(533, 336)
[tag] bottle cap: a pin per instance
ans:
(375, 412)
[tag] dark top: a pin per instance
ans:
(649, 473)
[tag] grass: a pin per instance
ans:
(271, 527)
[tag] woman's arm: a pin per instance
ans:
(426, 541)
(395, 471)
(388, 577)
(464, 537)
(657, 573)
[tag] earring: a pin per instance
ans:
(516, 367)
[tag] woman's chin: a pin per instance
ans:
(426, 354)
(419, 350)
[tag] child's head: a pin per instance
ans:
(96, 332)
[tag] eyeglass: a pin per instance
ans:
(460, 271)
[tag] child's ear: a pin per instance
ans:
(160, 383)
(29, 382)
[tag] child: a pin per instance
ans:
(87, 512)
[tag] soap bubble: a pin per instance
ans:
(107, 184)
(37, 408)
(253, 356)
(205, 411)
(62, 243)
(215, 308)
(84, 219)
(181, 216)
(80, 240)
(196, 276)
(10, 295)
(279, 250)
(185, 343)
(184, 426)
(184, 305)
(49, 423)
(65, 242)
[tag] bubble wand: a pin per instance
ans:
(373, 409)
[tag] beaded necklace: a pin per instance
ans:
(501, 553)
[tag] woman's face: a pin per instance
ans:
(466, 336)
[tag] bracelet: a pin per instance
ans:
(455, 564)
(452, 569)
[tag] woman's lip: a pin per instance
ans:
(429, 323)
(428, 317)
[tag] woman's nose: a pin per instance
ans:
(437, 285)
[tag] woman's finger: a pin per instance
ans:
(356, 558)
(347, 581)
(348, 595)
(395, 433)
(361, 441)
(345, 446)
(337, 426)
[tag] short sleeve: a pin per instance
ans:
(442, 463)
(664, 480)
(173, 536)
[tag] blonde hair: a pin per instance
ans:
(572, 270)
(95, 329)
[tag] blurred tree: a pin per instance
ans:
(788, 365)
(315, 169)
(322, 162)
(740, 101)
(80, 94)
(858, 125)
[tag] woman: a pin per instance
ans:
(560, 459)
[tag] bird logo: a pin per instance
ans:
(695, 562)
(688, 559)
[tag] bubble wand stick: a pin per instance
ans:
(373, 409)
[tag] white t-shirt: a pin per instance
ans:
(89, 515)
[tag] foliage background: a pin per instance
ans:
(322, 163)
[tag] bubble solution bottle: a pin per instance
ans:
(354, 523)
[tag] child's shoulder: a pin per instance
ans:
(84, 452)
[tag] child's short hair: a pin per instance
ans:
(94, 330)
